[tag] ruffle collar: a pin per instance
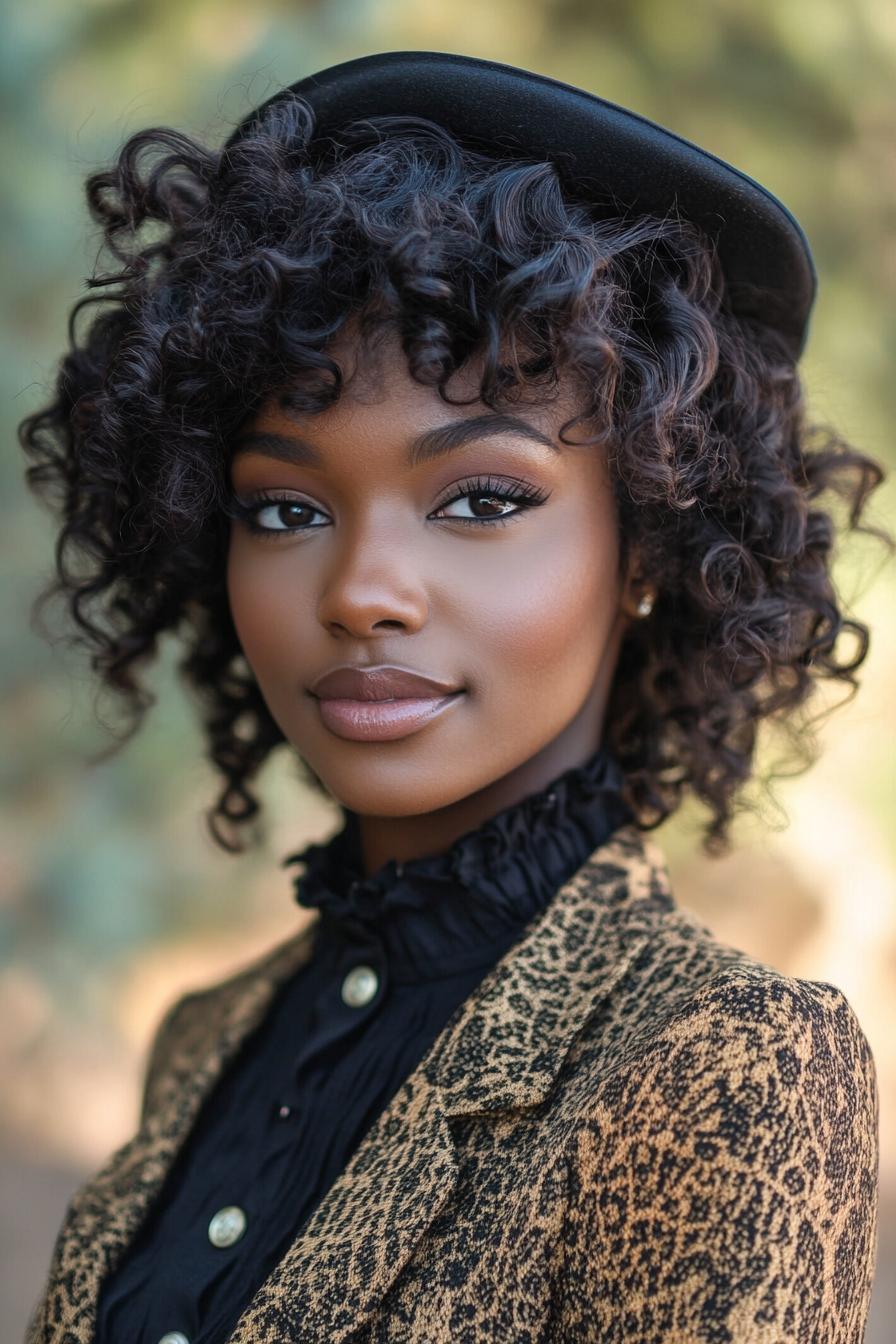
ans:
(443, 909)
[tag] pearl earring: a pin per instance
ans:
(645, 606)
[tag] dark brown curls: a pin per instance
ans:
(233, 271)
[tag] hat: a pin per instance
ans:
(616, 160)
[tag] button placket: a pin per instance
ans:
(360, 986)
(227, 1226)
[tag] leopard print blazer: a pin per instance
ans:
(628, 1133)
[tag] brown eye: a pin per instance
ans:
(504, 500)
(287, 516)
(484, 502)
(503, 506)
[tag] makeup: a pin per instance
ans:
(383, 720)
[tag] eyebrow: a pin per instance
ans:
(431, 444)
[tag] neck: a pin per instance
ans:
(406, 838)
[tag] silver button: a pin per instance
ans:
(359, 986)
(174, 1337)
(227, 1226)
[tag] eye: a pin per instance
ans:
(279, 507)
(490, 494)
(502, 501)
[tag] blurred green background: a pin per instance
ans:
(114, 899)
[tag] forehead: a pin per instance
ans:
(379, 389)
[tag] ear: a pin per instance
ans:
(638, 594)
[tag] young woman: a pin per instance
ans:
(451, 417)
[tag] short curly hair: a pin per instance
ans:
(237, 266)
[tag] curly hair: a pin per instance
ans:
(232, 271)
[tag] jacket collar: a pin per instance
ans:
(495, 1053)
(500, 1053)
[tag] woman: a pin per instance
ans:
(493, 498)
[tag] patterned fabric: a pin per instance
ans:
(291, 1108)
(628, 1132)
(436, 914)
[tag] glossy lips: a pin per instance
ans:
(379, 704)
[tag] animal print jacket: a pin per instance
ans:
(629, 1132)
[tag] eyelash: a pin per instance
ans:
(520, 493)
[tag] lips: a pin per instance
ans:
(379, 683)
(381, 704)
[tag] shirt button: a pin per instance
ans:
(359, 986)
(174, 1337)
(227, 1226)
(284, 1112)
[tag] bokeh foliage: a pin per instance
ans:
(103, 862)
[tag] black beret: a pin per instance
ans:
(603, 153)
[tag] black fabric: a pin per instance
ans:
(615, 160)
(288, 1114)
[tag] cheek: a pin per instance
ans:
(258, 590)
(551, 613)
(536, 605)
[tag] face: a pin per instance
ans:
(492, 568)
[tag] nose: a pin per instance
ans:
(372, 587)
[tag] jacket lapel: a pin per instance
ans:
(104, 1215)
(502, 1048)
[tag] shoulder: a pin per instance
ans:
(730, 1057)
(739, 1072)
(715, 1019)
(734, 1013)
(765, 1045)
(687, 989)
(743, 1124)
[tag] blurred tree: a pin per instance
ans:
(799, 96)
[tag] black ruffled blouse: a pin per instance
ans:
(395, 954)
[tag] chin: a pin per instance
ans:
(377, 790)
